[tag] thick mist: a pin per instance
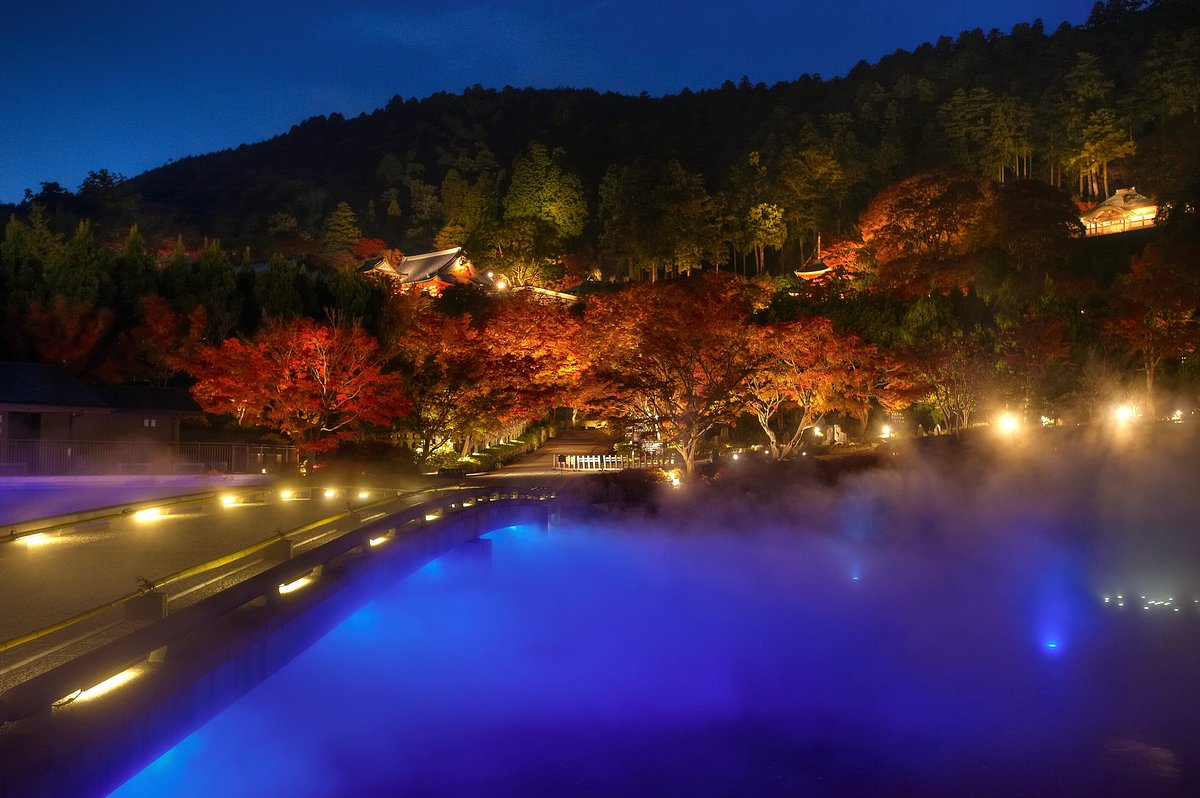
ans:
(938, 625)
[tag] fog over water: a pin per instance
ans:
(938, 626)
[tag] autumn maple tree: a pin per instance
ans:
(1155, 314)
(672, 357)
(314, 383)
(803, 367)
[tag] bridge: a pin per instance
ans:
(96, 705)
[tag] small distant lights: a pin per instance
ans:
(1152, 604)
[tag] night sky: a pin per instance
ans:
(128, 86)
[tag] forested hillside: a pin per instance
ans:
(665, 184)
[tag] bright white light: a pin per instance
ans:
(502, 284)
(1177, 416)
(1125, 413)
(295, 585)
(228, 501)
(735, 457)
(817, 431)
(432, 516)
(362, 494)
(885, 431)
(37, 539)
(286, 494)
(378, 540)
(148, 514)
(109, 684)
(1008, 423)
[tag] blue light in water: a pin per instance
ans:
(1051, 644)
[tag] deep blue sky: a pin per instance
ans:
(128, 85)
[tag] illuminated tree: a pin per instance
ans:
(1155, 307)
(341, 231)
(445, 367)
(804, 367)
(673, 358)
(313, 383)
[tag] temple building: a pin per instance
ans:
(1125, 210)
(430, 273)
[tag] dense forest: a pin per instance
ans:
(940, 187)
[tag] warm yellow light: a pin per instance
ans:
(1008, 423)
(293, 586)
(502, 284)
(378, 540)
(885, 431)
(432, 516)
(735, 456)
(148, 514)
(676, 482)
(37, 539)
(1125, 413)
(817, 431)
(109, 684)
(1177, 417)
(228, 501)
(362, 494)
(330, 493)
(286, 494)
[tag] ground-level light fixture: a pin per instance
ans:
(295, 584)
(1008, 423)
(148, 514)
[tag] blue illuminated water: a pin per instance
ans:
(646, 663)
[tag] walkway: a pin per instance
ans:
(540, 462)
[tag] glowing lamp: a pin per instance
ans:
(377, 541)
(294, 585)
(148, 514)
(228, 501)
(36, 539)
(286, 494)
(108, 685)
(1125, 413)
(885, 431)
(330, 493)
(362, 494)
(1008, 423)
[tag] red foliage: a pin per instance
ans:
(314, 383)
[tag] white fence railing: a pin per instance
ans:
(610, 462)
